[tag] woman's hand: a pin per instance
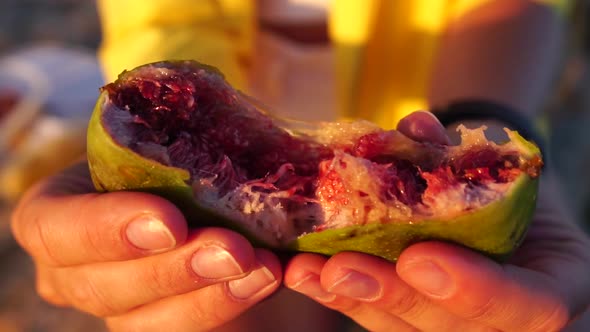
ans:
(441, 287)
(130, 258)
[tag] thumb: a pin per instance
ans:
(423, 126)
(476, 288)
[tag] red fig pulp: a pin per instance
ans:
(322, 187)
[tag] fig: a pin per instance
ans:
(179, 130)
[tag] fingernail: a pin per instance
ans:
(433, 117)
(442, 136)
(357, 285)
(311, 286)
(427, 277)
(149, 233)
(424, 126)
(214, 262)
(256, 282)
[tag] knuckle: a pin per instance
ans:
(463, 325)
(36, 242)
(162, 281)
(28, 229)
(94, 240)
(114, 324)
(163, 278)
(122, 324)
(16, 224)
(19, 215)
(406, 304)
(546, 318)
(480, 311)
(22, 229)
(346, 306)
(47, 292)
(85, 295)
(203, 312)
(555, 319)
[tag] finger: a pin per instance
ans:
(473, 287)
(207, 308)
(65, 230)
(374, 281)
(302, 274)
(212, 255)
(424, 127)
(45, 286)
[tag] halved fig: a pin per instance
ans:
(179, 130)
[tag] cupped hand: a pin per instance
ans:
(441, 287)
(130, 258)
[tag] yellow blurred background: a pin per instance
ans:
(49, 79)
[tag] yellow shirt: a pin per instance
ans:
(383, 48)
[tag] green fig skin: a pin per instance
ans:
(494, 230)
